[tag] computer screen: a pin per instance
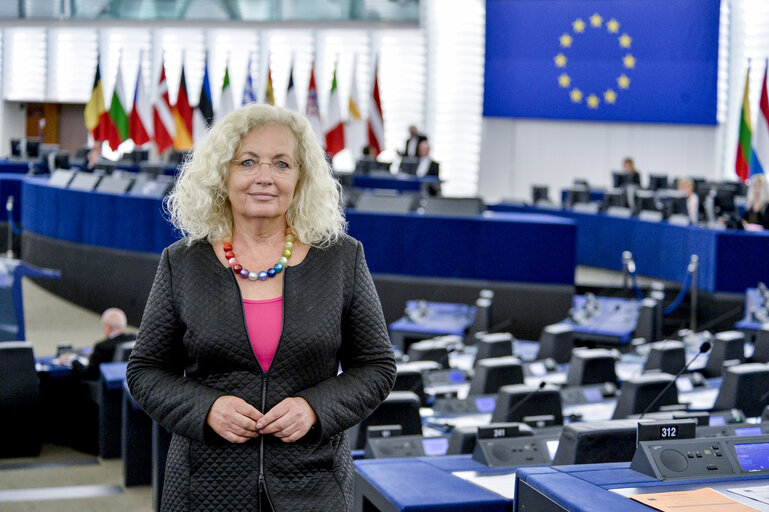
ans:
(576, 195)
(724, 201)
(615, 198)
(592, 394)
(619, 179)
(16, 148)
(748, 431)
(435, 445)
(752, 456)
(408, 165)
(485, 404)
(676, 205)
(658, 181)
(646, 201)
(33, 148)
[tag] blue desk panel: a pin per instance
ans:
(586, 488)
(399, 182)
(10, 185)
(728, 259)
(93, 218)
(532, 248)
(418, 484)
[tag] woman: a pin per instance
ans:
(238, 355)
(756, 216)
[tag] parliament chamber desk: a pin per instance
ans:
(662, 250)
(439, 319)
(516, 247)
(425, 484)
(605, 487)
(397, 182)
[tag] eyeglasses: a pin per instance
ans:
(277, 167)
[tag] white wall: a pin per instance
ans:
(517, 153)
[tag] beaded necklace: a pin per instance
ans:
(276, 269)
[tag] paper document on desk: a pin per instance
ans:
(705, 499)
(502, 483)
(760, 494)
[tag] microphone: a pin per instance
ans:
(703, 348)
(9, 204)
(524, 400)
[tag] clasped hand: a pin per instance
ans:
(237, 421)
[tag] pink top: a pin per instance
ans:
(264, 321)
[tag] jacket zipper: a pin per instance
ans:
(261, 481)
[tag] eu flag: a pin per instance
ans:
(650, 61)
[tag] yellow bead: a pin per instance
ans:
(287, 253)
(290, 238)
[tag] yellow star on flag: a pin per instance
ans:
(596, 20)
(560, 60)
(593, 101)
(612, 26)
(625, 40)
(610, 96)
(578, 26)
(576, 95)
(623, 81)
(566, 40)
(629, 61)
(564, 80)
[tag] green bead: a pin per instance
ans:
(288, 245)
(283, 260)
(290, 238)
(287, 253)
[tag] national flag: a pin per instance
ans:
(375, 119)
(759, 154)
(162, 118)
(139, 122)
(226, 101)
(291, 102)
(203, 115)
(248, 89)
(622, 60)
(312, 111)
(182, 113)
(269, 94)
(94, 109)
(117, 130)
(334, 126)
(355, 131)
(743, 143)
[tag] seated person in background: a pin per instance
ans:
(427, 166)
(629, 167)
(686, 187)
(756, 215)
(113, 323)
(93, 157)
(412, 143)
(362, 166)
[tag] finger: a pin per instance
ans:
(234, 438)
(249, 411)
(272, 415)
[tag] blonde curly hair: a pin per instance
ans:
(199, 205)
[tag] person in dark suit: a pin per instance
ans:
(412, 143)
(428, 167)
(628, 165)
(113, 323)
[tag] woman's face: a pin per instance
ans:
(263, 174)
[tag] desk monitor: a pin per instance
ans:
(152, 169)
(724, 203)
(752, 456)
(33, 148)
(409, 165)
(84, 181)
(676, 204)
(114, 184)
(616, 198)
(61, 178)
(539, 193)
(149, 188)
(17, 148)
(61, 160)
(645, 200)
(658, 181)
(744, 387)
(107, 166)
(596, 442)
(619, 179)
(575, 195)
(399, 408)
(518, 401)
(452, 205)
(140, 155)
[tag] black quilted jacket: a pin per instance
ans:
(193, 348)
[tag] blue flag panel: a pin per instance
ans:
(605, 60)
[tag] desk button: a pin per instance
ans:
(719, 454)
(699, 455)
(690, 455)
(712, 467)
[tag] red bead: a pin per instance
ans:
(237, 268)
(229, 254)
(227, 247)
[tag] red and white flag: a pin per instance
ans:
(163, 119)
(140, 120)
(375, 119)
(334, 126)
(312, 111)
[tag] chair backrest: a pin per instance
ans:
(379, 203)
(452, 205)
(123, 351)
(399, 408)
(18, 378)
